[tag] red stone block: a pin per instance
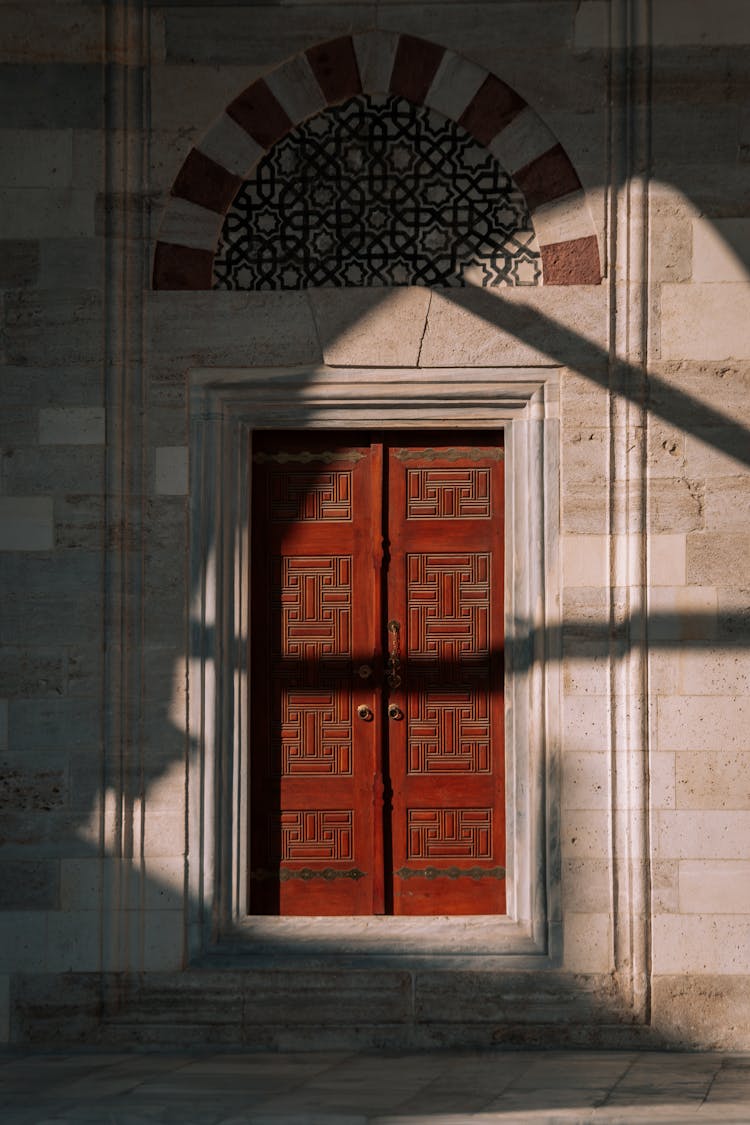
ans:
(572, 263)
(335, 67)
(492, 108)
(260, 114)
(414, 68)
(182, 267)
(548, 177)
(203, 181)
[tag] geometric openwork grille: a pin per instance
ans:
(377, 192)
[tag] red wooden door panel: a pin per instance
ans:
(445, 730)
(316, 789)
(343, 544)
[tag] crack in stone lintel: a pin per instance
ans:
(424, 329)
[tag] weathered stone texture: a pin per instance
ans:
(718, 558)
(47, 326)
(19, 265)
(29, 885)
(716, 780)
(260, 36)
(714, 1008)
(371, 326)
(53, 95)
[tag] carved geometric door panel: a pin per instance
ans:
(446, 754)
(376, 675)
(316, 810)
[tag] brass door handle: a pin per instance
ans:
(364, 712)
(394, 712)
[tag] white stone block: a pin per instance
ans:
(700, 943)
(165, 882)
(171, 470)
(584, 834)
(705, 321)
(587, 942)
(714, 886)
(585, 560)
(227, 144)
(714, 671)
(587, 885)
(691, 834)
(715, 780)
(585, 725)
(83, 881)
(563, 219)
(586, 674)
(36, 158)
(455, 83)
(681, 22)
(189, 97)
(164, 834)
(586, 780)
(666, 560)
(46, 213)
(523, 140)
(726, 504)
(187, 224)
(662, 780)
(663, 672)
(375, 54)
(296, 88)
(682, 613)
(674, 23)
(72, 425)
(592, 26)
(699, 722)
(383, 327)
(721, 249)
(221, 329)
(516, 326)
(26, 523)
(708, 459)
(23, 941)
(73, 940)
(163, 940)
(63, 32)
(664, 896)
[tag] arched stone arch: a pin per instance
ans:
(376, 63)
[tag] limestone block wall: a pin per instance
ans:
(649, 809)
(52, 501)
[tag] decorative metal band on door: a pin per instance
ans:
(377, 761)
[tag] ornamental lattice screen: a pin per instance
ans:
(377, 192)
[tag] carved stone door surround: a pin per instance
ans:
(227, 406)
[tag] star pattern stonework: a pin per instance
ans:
(377, 192)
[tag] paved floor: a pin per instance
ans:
(340, 1088)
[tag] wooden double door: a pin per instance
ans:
(376, 674)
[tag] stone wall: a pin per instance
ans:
(103, 768)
